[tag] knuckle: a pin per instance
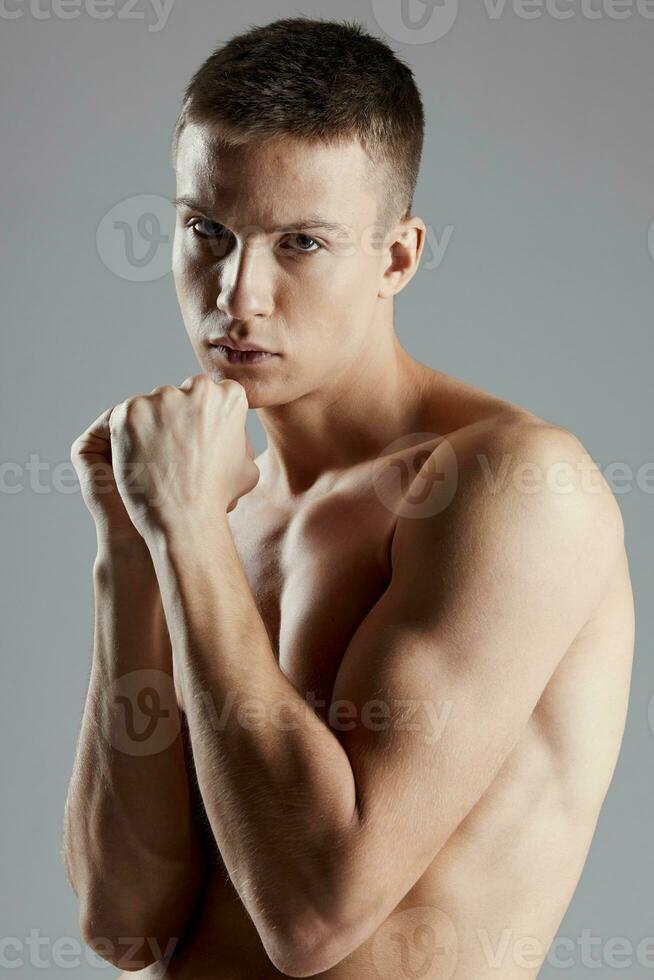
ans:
(232, 388)
(192, 381)
(133, 405)
(121, 415)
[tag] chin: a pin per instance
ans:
(256, 395)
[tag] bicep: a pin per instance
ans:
(444, 673)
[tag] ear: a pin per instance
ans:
(405, 243)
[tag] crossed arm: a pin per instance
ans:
(485, 597)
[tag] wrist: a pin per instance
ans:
(186, 533)
(126, 550)
(189, 549)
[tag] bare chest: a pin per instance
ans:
(314, 577)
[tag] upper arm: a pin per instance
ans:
(486, 595)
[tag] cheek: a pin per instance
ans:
(334, 281)
(180, 269)
(179, 258)
(192, 280)
(329, 302)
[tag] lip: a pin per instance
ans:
(234, 345)
(242, 357)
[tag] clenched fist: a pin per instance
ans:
(182, 454)
(90, 454)
(173, 456)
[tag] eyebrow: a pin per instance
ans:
(311, 221)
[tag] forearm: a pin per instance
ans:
(277, 785)
(130, 846)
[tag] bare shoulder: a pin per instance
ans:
(514, 502)
(540, 468)
(500, 447)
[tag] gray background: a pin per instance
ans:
(538, 157)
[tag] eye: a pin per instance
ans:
(219, 235)
(306, 238)
(215, 231)
(214, 236)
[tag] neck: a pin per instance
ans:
(350, 421)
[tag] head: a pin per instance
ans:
(296, 154)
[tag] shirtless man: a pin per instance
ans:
(355, 705)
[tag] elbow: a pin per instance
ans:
(297, 957)
(312, 947)
(301, 959)
(322, 924)
(133, 932)
(132, 947)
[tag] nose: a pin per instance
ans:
(246, 286)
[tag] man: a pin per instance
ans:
(354, 705)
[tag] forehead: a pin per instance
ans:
(273, 181)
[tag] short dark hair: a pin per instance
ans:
(318, 80)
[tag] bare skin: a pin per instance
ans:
(523, 844)
(509, 614)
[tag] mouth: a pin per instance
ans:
(241, 356)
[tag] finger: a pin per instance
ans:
(192, 380)
(100, 426)
(96, 438)
(115, 414)
(234, 389)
